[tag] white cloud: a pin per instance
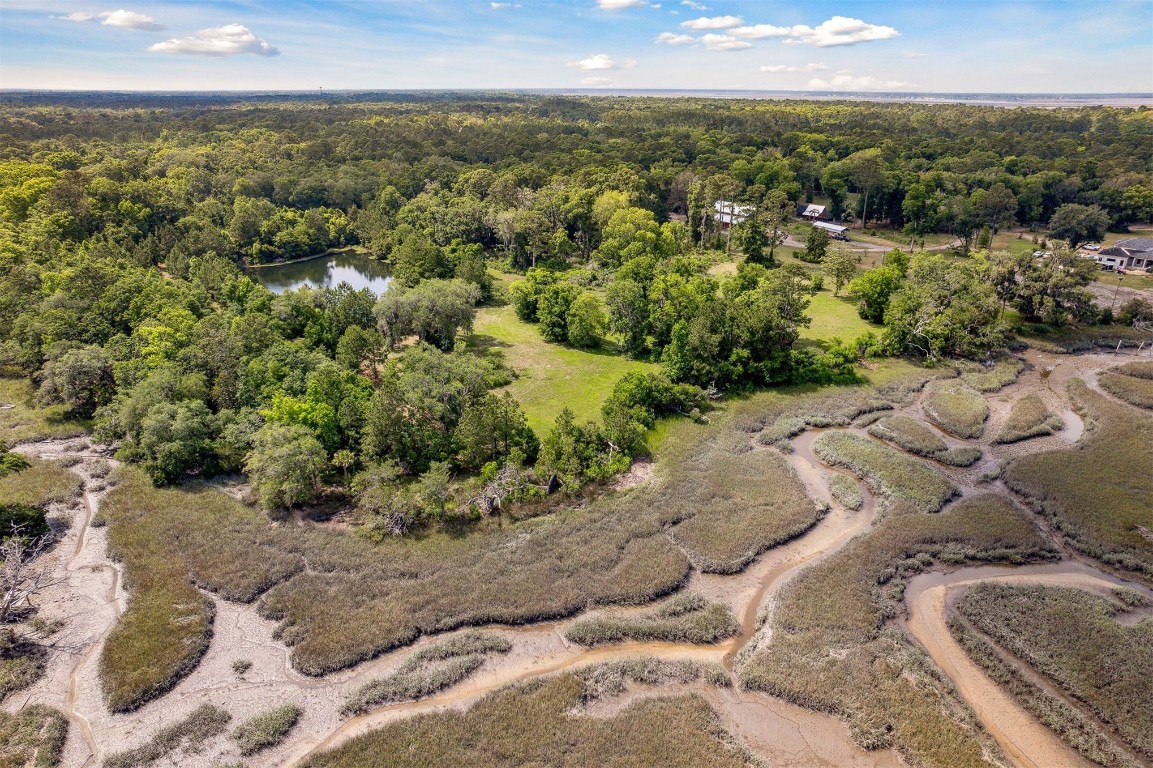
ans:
(724, 43)
(670, 38)
(596, 82)
(845, 81)
(914, 55)
(619, 5)
(601, 61)
(130, 20)
(761, 31)
(840, 30)
(695, 6)
(229, 40)
(499, 6)
(715, 22)
(120, 18)
(815, 67)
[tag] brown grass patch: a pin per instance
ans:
(914, 437)
(889, 472)
(1132, 389)
(1097, 493)
(1072, 638)
(44, 483)
(1030, 417)
(686, 618)
(956, 408)
(1003, 373)
(830, 647)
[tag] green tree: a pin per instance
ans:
(285, 465)
(995, 207)
(1078, 224)
(873, 290)
(586, 321)
(80, 379)
(841, 266)
(628, 313)
(417, 258)
(433, 312)
(553, 308)
(492, 428)
(177, 439)
(816, 246)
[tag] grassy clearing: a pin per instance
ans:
(1137, 282)
(918, 439)
(428, 671)
(1003, 373)
(1097, 494)
(1030, 417)
(44, 483)
(24, 422)
(1132, 389)
(845, 490)
(1072, 637)
(32, 738)
(687, 618)
(187, 736)
(1066, 341)
(539, 724)
(551, 377)
(832, 649)
(1066, 721)
(835, 316)
(267, 729)
(956, 408)
(888, 472)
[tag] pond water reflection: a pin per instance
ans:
(329, 271)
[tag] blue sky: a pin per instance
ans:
(897, 45)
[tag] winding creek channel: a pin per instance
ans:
(90, 597)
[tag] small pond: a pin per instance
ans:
(327, 271)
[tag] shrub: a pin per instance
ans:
(1030, 417)
(266, 729)
(956, 408)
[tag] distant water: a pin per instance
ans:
(328, 271)
(984, 99)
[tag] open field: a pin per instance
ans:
(835, 316)
(887, 471)
(1073, 638)
(535, 724)
(685, 618)
(1097, 494)
(832, 651)
(913, 436)
(956, 408)
(1030, 417)
(551, 377)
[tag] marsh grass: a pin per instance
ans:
(187, 735)
(832, 649)
(845, 490)
(266, 730)
(43, 483)
(611, 679)
(1066, 721)
(22, 662)
(1065, 341)
(916, 438)
(887, 471)
(32, 737)
(1097, 493)
(540, 723)
(1141, 370)
(1003, 373)
(686, 618)
(429, 671)
(26, 423)
(1134, 390)
(1030, 417)
(1072, 638)
(956, 408)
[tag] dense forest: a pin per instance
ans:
(127, 226)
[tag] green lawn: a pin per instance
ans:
(835, 316)
(1136, 282)
(551, 376)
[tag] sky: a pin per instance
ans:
(990, 46)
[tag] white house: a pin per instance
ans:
(836, 231)
(728, 213)
(1131, 253)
